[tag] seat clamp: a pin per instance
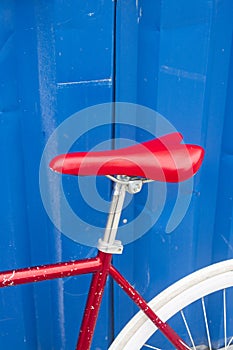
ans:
(112, 248)
(134, 186)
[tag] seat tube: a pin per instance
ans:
(93, 303)
(106, 246)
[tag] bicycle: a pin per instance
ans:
(162, 159)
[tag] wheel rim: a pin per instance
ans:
(175, 298)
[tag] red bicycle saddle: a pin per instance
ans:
(162, 159)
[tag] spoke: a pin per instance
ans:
(230, 342)
(151, 347)
(187, 347)
(188, 329)
(206, 323)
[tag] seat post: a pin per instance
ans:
(108, 243)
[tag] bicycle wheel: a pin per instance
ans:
(210, 284)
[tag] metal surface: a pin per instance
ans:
(115, 213)
(100, 267)
(141, 303)
(57, 57)
(176, 57)
(93, 303)
(47, 272)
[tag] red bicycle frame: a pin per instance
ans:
(100, 267)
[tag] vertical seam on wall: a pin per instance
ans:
(113, 131)
(114, 43)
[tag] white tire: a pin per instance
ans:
(175, 298)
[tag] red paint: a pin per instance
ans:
(47, 272)
(93, 303)
(162, 159)
(138, 300)
(101, 267)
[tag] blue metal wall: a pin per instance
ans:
(176, 58)
(57, 57)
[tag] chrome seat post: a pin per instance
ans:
(123, 184)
